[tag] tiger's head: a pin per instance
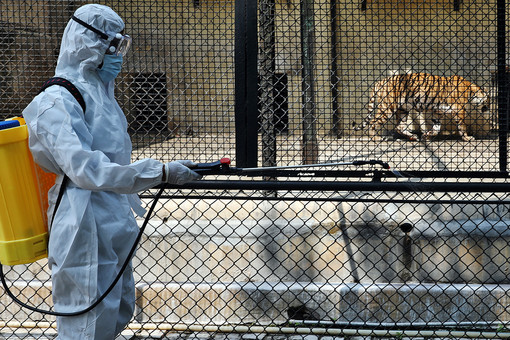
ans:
(481, 120)
(479, 98)
(467, 94)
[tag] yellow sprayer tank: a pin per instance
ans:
(23, 198)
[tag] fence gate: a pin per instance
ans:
(402, 231)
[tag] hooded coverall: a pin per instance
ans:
(94, 226)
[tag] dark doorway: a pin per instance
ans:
(280, 103)
(150, 102)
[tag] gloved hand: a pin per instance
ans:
(179, 172)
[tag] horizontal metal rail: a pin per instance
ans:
(331, 186)
(298, 330)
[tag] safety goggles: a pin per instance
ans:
(119, 44)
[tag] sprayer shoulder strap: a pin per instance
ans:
(68, 85)
(59, 198)
(79, 98)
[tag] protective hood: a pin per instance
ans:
(82, 50)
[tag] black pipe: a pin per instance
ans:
(332, 198)
(246, 46)
(502, 78)
(404, 186)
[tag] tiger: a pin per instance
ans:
(401, 95)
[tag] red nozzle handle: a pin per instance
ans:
(214, 167)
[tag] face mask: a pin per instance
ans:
(112, 64)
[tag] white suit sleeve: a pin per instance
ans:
(62, 132)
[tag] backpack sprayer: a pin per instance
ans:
(23, 202)
(23, 225)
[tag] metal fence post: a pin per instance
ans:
(310, 148)
(246, 111)
(502, 78)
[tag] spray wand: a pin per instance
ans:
(222, 167)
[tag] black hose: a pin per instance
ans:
(102, 297)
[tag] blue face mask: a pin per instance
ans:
(112, 65)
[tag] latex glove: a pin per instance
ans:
(179, 172)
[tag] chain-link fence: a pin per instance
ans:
(412, 244)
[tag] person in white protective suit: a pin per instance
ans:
(94, 226)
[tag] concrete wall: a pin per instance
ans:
(30, 33)
(194, 46)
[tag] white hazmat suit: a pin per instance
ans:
(94, 226)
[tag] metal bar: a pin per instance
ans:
(404, 186)
(310, 146)
(240, 80)
(208, 196)
(502, 78)
(261, 329)
(454, 174)
(300, 166)
(246, 82)
(316, 331)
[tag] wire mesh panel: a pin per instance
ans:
(385, 79)
(334, 261)
(178, 84)
(419, 87)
